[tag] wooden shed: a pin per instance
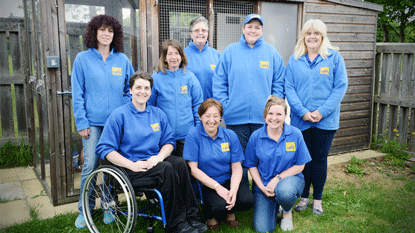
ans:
(53, 29)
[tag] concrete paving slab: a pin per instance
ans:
(342, 158)
(11, 191)
(8, 175)
(25, 173)
(14, 212)
(32, 188)
(43, 206)
(67, 208)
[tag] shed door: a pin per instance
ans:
(280, 26)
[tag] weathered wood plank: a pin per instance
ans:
(359, 89)
(355, 46)
(4, 59)
(6, 111)
(349, 148)
(360, 4)
(355, 139)
(339, 9)
(351, 98)
(351, 28)
(340, 18)
(15, 51)
(395, 101)
(20, 109)
(357, 55)
(395, 47)
(10, 24)
(11, 79)
(74, 48)
(405, 87)
(355, 106)
(360, 81)
(345, 132)
(354, 123)
(351, 37)
(357, 63)
(355, 114)
(353, 72)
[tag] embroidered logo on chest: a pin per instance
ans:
(116, 71)
(212, 66)
(184, 89)
(324, 70)
(290, 146)
(156, 127)
(264, 64)
(225, 146)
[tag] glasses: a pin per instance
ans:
(200, 30)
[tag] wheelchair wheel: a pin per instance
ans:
(110, 191)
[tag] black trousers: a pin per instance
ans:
(214, 206)
(174, 184)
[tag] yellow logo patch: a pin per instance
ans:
(264, 64)
(184, 89)
(116, 71)
(225, 146)
(324, 70)
(290, 146)
(212, 66)
(156, 127)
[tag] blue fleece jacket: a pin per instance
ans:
(99, 87)
(202, 64)
(245, 77)
(320, 86)
(134, 134)
(271, 157)
(179, 95)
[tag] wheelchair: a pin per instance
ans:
(109, 189)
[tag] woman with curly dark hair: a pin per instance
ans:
(99, 85)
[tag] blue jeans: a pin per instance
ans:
(244, 133)
(287, 192)
(91, 161)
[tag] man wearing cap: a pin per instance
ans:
(247, 73)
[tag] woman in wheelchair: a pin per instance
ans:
(139, 138)
(214, 155)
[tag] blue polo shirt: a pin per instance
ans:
(271, 157)
(214, 156)
(136, 135)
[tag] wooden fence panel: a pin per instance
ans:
(394, 93)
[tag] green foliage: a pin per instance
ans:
(354, 167)
(15, 155)
(395, 151)
(396, 22)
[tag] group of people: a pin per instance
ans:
(167, 126)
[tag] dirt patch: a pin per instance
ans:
(376, 170)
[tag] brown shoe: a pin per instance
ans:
(213, 227)
(232, 223)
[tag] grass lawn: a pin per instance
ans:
(380, 200)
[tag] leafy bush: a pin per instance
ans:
(395, 151)
(354, 167)
(15, 155)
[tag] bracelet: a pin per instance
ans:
(216, 185)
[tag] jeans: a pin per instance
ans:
(91, 160)
(287, 192)
(318, 142)
(244, 133)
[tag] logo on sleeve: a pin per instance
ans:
(225, 146)
(290, 146)
(324, 70)
(264, 64)
(156, 127)
(116, 71)
(184, 89)
(212, 66)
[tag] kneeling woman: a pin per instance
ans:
(275, 155)
(214, 155)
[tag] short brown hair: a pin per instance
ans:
(138, 75)
(162, 65)
(274, 100)
(91, 39)
(209, 103)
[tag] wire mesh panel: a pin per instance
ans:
(229, 19)
(175, 17)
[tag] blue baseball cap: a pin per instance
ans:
(253, 16)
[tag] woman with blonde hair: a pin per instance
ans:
(315, 84)
(275, 155)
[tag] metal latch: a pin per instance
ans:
(64, 93)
